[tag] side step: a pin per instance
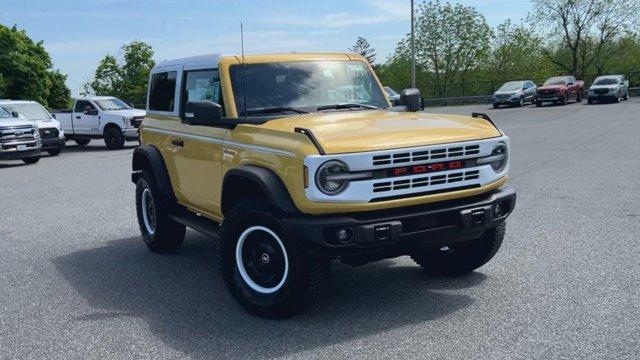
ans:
(198, 223)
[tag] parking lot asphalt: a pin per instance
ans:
(76, 280)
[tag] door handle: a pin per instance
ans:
(177, 142)
(78, 117)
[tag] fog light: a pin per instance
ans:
(343, 235)
(497, 210)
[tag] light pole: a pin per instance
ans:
(413, 50)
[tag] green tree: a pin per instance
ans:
(59, 94)
(126, 79)
(363, 48)
(452, 42)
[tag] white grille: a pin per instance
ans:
(426, 155)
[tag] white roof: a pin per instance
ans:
(9, 101)
(193, 62)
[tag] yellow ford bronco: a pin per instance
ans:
(297, 160)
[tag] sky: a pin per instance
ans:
(77, 34)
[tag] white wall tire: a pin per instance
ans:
(264, 258)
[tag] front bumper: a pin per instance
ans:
(131, 134)
(56, 143)
(603, 97)
(502, 101)
(17, 155)
(548, 98)
(395, 232)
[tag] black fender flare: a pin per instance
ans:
(267, 181)
(148, 157)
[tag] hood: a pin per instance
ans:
(126, 112)
(551, 87)
(15, 122)
(356, 131)
(49, 123)
(594, 87)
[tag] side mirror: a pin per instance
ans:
(53, 116)
(411, 99)
(202, 113)
(15, 114)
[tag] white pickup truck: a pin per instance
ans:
(51, 134)
(19, 138)
(101, 117)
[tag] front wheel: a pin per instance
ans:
(579, 97)
(159, 231)
(464, 257)
(521, 102)
(31, 160)
(82, 141)
(496, 105)
(54, 152)
(263, 267)
(113, 138)
(538, 103)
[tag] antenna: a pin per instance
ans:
(244, 89)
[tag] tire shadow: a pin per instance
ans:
(185, 303)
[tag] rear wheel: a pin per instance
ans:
(463, 257)
(262, 266)
(82, 141)
(31, 160)
(618, 97)
(626, 96)
(113, 138)
(579, 97)
(159, 231)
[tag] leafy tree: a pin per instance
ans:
(126, 79)
(59, 94)
(585, 30)
(363, 48)
(451, 42)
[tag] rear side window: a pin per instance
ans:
(162, 92)
(81, 104)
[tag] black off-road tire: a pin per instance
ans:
(82, 141)
(464, 257)
(54, 152)
(113, 138)
(166, 235)
(304, 281)
(31, 160)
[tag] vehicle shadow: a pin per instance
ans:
(185, 303)
(71, 147)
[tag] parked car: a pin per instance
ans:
(51, 134)
(559, 90)
(609, 88)
(515, 93)
(99, 117)
(294, 173)
(19, 138)
(392, 95)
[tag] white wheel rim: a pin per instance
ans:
(240, 264)
(147, 199)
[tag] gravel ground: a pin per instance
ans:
(76, 281)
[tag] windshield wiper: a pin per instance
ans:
(346, 106)
(274, 109)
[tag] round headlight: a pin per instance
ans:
(501, 154)
(330, 177)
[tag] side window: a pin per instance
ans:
(81, 104)
(201, 85)
(162, 92)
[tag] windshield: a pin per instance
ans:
(390, 91)
(4, 114)
(606, 81)
(30, 111)
(111, 104)
(556, 81)
(511, 86)
(304, 85)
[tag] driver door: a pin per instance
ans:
(86, 121)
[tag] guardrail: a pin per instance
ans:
(482, 99)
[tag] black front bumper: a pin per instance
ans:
(55, 143)
(395, 232)
(17, 155)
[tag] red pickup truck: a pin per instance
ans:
(559, 90)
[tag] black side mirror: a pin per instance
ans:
(202, 113)
(15, 114)
(411, 99)
(53, 116)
